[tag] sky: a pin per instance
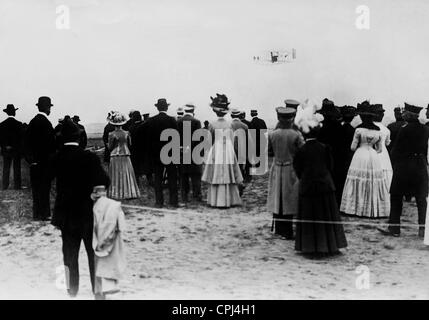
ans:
(125, 54)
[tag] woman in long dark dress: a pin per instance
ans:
(317, 201)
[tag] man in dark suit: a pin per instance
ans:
(142, 146)
(259, 128)
(83, 139)
(394, 127)
(11, 135)
(189, 170)
(77, 172)
(410, 175)
(39, 147)
(155, 126)
(136, 152)
(247, 177)
(107, 129)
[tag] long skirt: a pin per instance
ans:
(366, 191)
(123, 184)
(319, 237)
(223, 195)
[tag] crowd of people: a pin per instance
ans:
(322, 167)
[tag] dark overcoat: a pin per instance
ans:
(409, 160)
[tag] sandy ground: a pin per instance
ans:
(204, 253)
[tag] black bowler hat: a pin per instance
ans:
(44, 102)
(10, 108)
(412, 109)
(253, 112)
(76, 118)
(69, 130)
(162, 103)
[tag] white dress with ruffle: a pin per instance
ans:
(366, 190)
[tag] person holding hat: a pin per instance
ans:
(282, 202)
(385, 142)
(395, 126)
(124, 184)
(83, 141)
(76, 173)
(366, 191)
(11, 135)
(189, 170)
(156, 125)
(221, 170)
(313, 165)
(39, 146)
(410, 174)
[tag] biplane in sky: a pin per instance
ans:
(275, 56)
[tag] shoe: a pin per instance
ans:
(387, 232)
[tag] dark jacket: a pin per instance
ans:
(11, 136)
(83, 139)
(258, 124)
(187, 147)
(39, 140)
(107, 129)
(76, 172)
(409, 160)
(394, 128)
(313, 167)
(155, 126)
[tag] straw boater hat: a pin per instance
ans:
(189, 108)
(235, 112)
(220, 103)
(117, 119)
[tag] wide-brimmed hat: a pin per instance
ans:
(162, 102)
(10, 108)
(44, 102)
(291, 103)
(117, 119)
(329, 109)
(220, 102)
(411, 108)
(378, 108)
(365, 108)
(348, 111)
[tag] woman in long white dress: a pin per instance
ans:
(366, 191)
(385, 142)
(221, 169)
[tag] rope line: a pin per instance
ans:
(364, 223)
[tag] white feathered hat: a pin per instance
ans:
(307, 117)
